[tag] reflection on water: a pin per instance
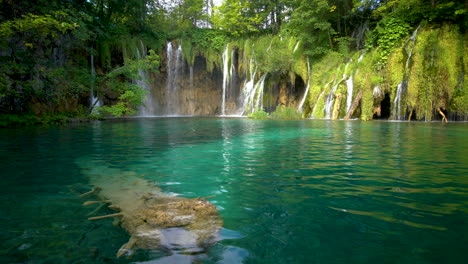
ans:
(289, 191)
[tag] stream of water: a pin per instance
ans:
(304, 191)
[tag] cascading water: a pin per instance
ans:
(314, 111)
(248, 92)
(397, 113)
(349, 92)
(94, 100)
(226, 76)
(252, 92)
(170, 78)
(147, 108)
(259, 92)
(174, 62)
(191, 77)
(330, 99)
(229, 75)
(299, 108)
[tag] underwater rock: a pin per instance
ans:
(152, 218)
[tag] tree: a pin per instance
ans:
(233, 16)
(310, 22)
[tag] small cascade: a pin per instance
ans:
(248, 92)
(297, 46)
(174, 64)
(252, 92)
(170, 78)
(94, 99)
(259, 92)
(226, 75)
(299, 108)
(361, 57)
(314, 111)
(229, 75)
(330, 99)
(147, 108)
(191, 77)
(349, 92)
(397, 113)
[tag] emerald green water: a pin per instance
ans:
(289, 191)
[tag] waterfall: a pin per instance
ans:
(259, 93)
(330, 99)
(397, 113)
(252, 92)
(174, 63)
(361, 57)
(147, 107)
(226, 76)
(94, 100)
(296, 46)
(191, 77)
(170, 78)
(248, 93)
(299, 108)
(349, 92)
(316, 104)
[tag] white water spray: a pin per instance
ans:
(299, 108)
(94, 100)
(226, 75)
(397, 113)
(174, 63)
(349, 92)
(147, 109)
(331, 96)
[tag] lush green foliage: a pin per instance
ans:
(387, 34)
(48, 47)
(260, 115)
(285, 112)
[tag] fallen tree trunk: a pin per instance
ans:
(444, 118)
(152, 218)
(354, 105)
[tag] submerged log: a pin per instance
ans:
(104, 216)
(354, 105)
(152, 218)
(93, 191)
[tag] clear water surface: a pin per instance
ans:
(307, 191)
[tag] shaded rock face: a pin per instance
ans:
(153, 219)
(183, 89)
(191, 90)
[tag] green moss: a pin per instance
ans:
(285, 112)
(459, 101)
(323, 71)
(260, 115)
(435, 71)
(395, 70)
(317, 111)
(365, 78)
(187, 50)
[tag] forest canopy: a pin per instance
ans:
(46, 46)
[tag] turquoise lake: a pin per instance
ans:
(305, 191)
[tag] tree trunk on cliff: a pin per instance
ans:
(336, 106)
(354, 105)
